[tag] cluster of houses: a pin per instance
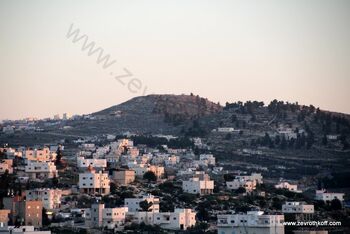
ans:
(113, 218)
(122, 163)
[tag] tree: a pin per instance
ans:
(324, 140)
(241, 190)
(59, 155)
(336, 204)
(145, 205)
(283, 143)
(46, 221)
(150, 176)
(229, 177)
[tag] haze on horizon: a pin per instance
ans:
(222, 50)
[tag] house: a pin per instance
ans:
(110, 218)
(4, 217)
(323, 195)
(41, 170)
(133, 204)
(171, 161)
(227, 130)
(254, 176)
(6, 165)
(39, 155)
(180, 219)
(31, 213)
(248, 182)
(288, 186)
(84, 163)
(333, 137)
(297, 208)
(157, 170)
(93, 182)
(249, 185)
(124, 177)
(51, 198)
(21, 230)
(209, 159)
(199, 184)
(251, 222)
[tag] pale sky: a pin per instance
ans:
(293, 50)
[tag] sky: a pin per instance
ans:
(224, 50)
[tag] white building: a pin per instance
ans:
(249, 185)
(110, 218)
(252, 222)
(84, 163)
(208, 158)
(248, 182)
(141, 169)
(323, 195)
(226, 130)
(41, 170)
(200, 184)
(21, 230)
(288, 133)
(254, 176)
(51, 198)
(297, 208)
(172, 160)
(288, 186)
(133, 204)
(180, 219)
(92, 182)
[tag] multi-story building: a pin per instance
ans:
(113, 217)
(110, 218)
(323, 195)
(297, 208)
(252, 222)
(41, 170)
(51, 198)
(157, 170)
(93, 182)
(124, 177)
(199, 184)
(40, 155)
(288, 186)
(133, 204)
(84, 163)
(180, 219)
(31, 213)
